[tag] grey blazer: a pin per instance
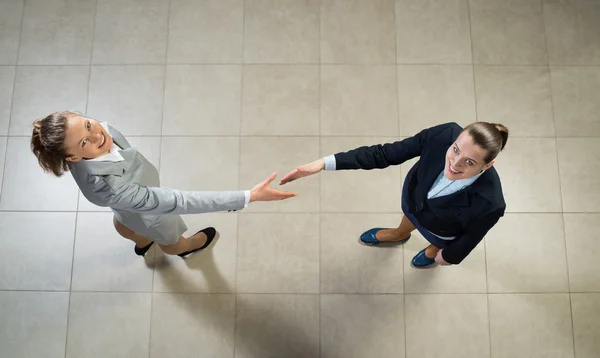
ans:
(131, 188)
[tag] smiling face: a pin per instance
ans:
(86, 139)
(465, 159)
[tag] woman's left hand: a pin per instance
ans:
(440, 260)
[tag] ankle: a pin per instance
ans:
(142, 243)
(431, 251)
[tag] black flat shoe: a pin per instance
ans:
(210, 233)
(141, 251)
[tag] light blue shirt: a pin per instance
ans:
(441, 186)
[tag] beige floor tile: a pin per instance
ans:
(10, 29)
(34, 324)
(431, 31)
(26, 187)
(459, 321)
(209, 31)
(200, 163)
(278, 253)
(586, 324)
(508, 32)
(467, 277)
(212, 270)
(530, 182)
(430, 95)
(272, 326)
(571, 31)
(261, 156)
(214, 106)
(343, 41)
(7, 80)
(129, 32)
(359, 190)
(350, 267)
(280, 100)
(277, 31)
(32, 100)
(518, 97)
(531, 326)
(362, 326)
(526, 253)
(57, 32)
(36, 251)
(187, 325)
(109, 325)
(359, 100)
(576, 99)
(583, 247)
(135, 109)
(3, 144)
(105, 261)
(579, 160)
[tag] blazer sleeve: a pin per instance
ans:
(383, 155)
(158, 200)
(462, 246)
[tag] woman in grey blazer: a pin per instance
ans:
(111, 173)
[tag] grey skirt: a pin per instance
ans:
(162, 229)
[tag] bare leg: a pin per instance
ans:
(140, 241)
(397, 234)
(431, 251)
(183, 245)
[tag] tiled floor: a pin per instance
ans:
(221, 93)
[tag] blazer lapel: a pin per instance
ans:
(429, 171)
(118, 138)
(111, 168)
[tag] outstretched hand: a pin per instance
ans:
(263, 191)
(304, 171)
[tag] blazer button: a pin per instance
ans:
(456, 211)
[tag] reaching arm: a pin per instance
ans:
(371, 157)
(155, 200)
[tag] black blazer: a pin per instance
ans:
(467, 214)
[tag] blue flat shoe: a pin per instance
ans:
(369, 238)
(422, 261)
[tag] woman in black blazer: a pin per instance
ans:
(452, 195)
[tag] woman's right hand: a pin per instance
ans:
(304, 171)
(264, 192)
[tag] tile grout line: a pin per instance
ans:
(237, 241)
(77, 213)
(160, 142)
(562, 203)
(399, 133)
(311, 294)
(364, 64)
(12, 100)
(487, 284)
(320, 82)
